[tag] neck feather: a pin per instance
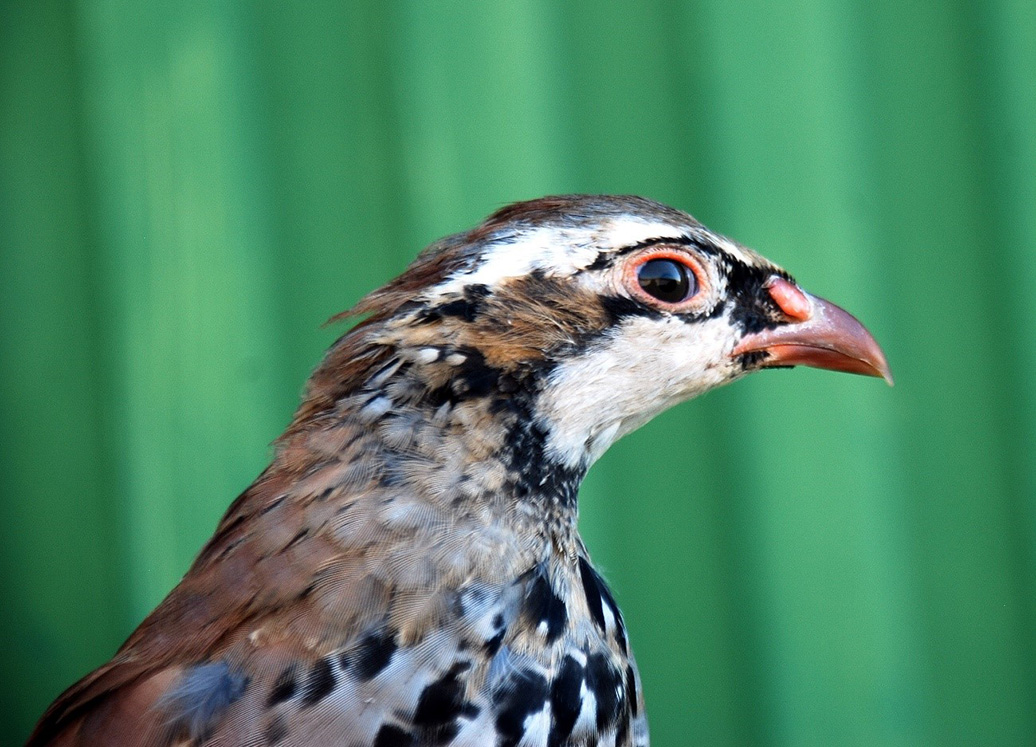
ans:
(437, 431)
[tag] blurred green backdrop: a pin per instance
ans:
(188, 190)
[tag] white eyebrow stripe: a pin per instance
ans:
(556, 250)
(733, 249)
(628, 231)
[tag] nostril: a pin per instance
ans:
(790, 299)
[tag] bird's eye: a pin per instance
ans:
(667, 280)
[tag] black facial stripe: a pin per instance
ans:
(608, 258)
(620, 308)
(752, 309)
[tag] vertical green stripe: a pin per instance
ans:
(185, 250)
(63, 598)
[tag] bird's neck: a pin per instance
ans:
(435, 453)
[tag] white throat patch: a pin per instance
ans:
(646, 367)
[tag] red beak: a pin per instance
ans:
(819, 334)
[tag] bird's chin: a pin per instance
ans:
(825, 336)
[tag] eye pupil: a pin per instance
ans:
(667, 280)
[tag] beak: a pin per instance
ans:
(819, 334)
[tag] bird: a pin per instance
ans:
(408, 570)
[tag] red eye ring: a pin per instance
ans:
(669, 278)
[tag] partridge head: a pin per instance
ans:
(408, 570)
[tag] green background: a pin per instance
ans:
(188, 190)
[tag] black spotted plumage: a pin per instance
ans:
(444, 701)
(319, 683)
(372, 655)
(521, 694)
(542, 607)
(284, 688)
(566, 700)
